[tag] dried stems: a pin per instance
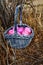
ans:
(33, 54)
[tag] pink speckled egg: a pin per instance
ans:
(27, 31)
(20, 30)
(11, 31)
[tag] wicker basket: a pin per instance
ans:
(17, 41)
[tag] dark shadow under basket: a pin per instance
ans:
(17, 41)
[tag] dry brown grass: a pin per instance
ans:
(31, 55)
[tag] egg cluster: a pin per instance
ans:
(21, 31)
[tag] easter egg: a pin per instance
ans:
(20, 29)
(25, 33)
(11, 31)
(28, 30)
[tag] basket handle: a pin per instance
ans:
(19, 7)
